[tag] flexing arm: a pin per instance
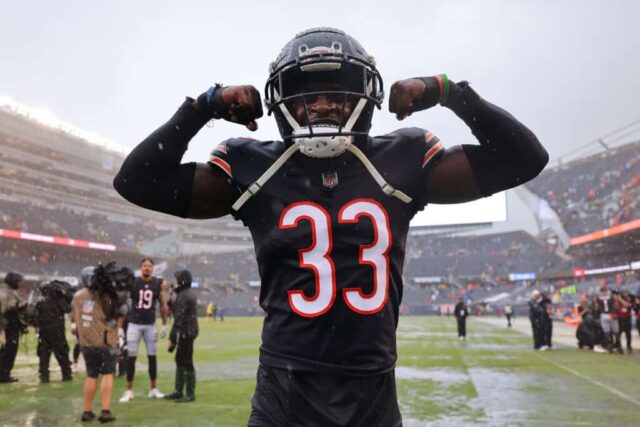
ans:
(509, 154)
(152, 175)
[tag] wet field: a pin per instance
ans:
(492, 378)
(495, 378)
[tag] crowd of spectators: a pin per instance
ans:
(493, 256)
(32, 217)
(597, 192)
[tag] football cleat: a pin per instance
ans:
(126, 397)
(154, 393)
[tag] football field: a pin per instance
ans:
(493, 378)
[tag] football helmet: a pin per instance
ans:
(323, 55)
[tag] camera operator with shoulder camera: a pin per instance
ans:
(11, 306)
(183, 333)
(97, 315)
(53, 301)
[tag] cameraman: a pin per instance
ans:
(53, 301)
(10, 306)
(183, 333)
(96, 315)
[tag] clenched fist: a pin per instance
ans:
(236, 104)
(417, 94)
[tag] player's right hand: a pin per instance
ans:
(416, 94)
(236, 104)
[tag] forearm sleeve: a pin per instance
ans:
(509, 154)
(152, 175)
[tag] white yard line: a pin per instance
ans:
(568, 339)
(592, 381)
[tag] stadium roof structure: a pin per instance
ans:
(46, 118)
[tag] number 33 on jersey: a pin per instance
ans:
(318, 257)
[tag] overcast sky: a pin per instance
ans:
(568, 69)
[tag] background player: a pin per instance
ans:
(329, 211)
(146, 291)
(461, 312)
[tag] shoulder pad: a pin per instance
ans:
(242, 158)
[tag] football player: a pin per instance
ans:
(608, 303)
(328, 207)
(146, 292)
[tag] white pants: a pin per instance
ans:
(147, 332)
(608, 324)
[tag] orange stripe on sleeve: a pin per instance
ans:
(432, 152)
(428, 136)
(221, 164)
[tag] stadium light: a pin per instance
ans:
(46, 118)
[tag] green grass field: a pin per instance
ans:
(492, 378)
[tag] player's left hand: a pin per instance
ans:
(163, 331)
(416, 94)
(170, 346)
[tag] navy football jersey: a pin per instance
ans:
(607, 303)
(330, 248)
(144, 296)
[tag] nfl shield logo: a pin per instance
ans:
(330, 179)
(88, 306)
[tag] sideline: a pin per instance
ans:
(591, 380)
(524, 328)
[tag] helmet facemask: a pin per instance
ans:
(353, 80)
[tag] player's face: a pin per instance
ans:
(146, 269)
(324, 109)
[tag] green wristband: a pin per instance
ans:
(444, 97)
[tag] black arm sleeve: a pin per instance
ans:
(178, 319)
(509, 153)
(152, 175)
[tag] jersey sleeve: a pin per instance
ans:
(242, 160)
(418, 151)
(220, 158)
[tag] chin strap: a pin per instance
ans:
(256, 186)
(384, 185)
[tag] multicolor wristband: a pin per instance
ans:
(443, 82)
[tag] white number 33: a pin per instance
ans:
(316, 257)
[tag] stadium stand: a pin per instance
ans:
(59, 213)
(600, 191)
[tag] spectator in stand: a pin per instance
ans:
(461, 313)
